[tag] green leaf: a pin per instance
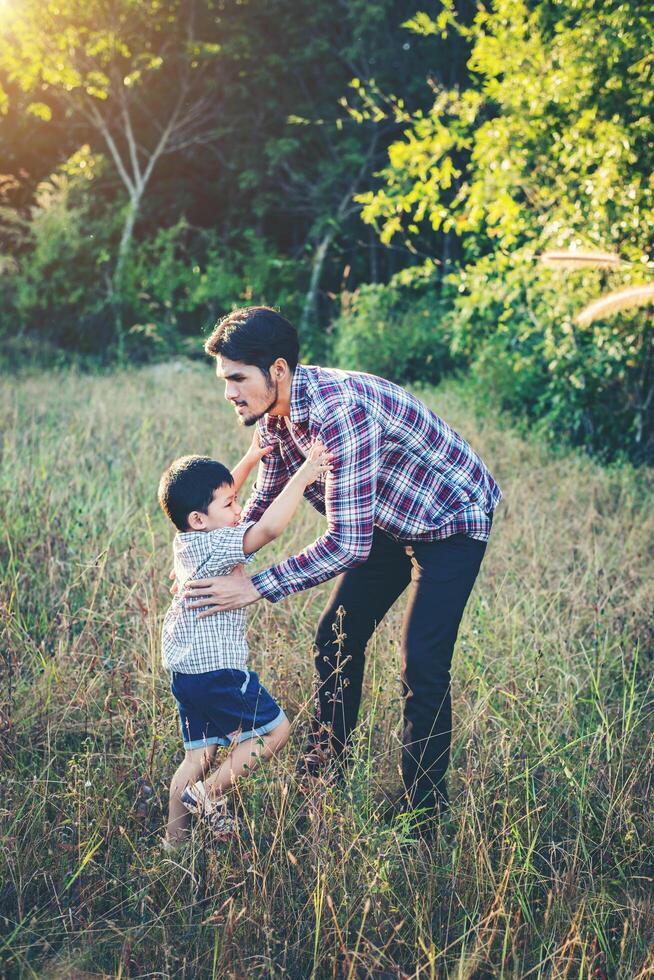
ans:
(40, 110)
(421, 24)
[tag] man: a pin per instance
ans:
(407, 502)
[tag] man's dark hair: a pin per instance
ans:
(188, 484)
(255, 335)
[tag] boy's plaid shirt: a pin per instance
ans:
(194, 646)
(395, 465)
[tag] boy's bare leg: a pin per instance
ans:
(196, 763)
(245, 757)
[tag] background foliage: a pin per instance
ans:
(549, 144)
(470, 138)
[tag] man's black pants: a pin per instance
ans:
(441, 575)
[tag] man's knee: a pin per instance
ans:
(425, 698)
(325, 632)
(426, 678)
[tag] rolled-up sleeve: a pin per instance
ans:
(354, 443)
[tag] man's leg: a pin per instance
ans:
(443, 575)
(364, 594)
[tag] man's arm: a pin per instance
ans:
(353, 441)
(354, 444)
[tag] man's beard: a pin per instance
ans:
(272, 386)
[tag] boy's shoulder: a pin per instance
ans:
(191, 542)
(221, 548)
(219, 537)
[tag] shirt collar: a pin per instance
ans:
(299, 397)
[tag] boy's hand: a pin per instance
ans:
(174, 588)
(256, 452)
(317, 463)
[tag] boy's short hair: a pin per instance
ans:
(189, 484)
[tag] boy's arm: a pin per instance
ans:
(256, 452)
(244, 467)
(271, 478)
(277, 516)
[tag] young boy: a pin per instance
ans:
(220, 701)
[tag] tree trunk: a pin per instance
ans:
(310, 308)
(117, 281)
(310, 302)
(372, 243)
(126, 240)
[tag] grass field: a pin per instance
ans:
(546, 869)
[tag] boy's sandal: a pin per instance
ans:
(224, 826)
(214, 814)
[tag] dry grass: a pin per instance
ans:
(618, 302)
(579, 259)
(546, 870)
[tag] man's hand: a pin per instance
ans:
(224, 592)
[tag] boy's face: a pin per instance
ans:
(223, 511)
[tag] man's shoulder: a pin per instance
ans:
(331, 390)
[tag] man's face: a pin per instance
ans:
(249, 391)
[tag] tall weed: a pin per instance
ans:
(545, 867)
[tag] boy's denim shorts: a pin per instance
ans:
(220, 707)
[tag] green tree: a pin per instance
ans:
(550, 145)
(302, 157)
(279, 159)
(95, 62)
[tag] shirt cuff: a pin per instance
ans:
(267, 585)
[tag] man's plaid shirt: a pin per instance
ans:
(395, 465)
(194, 646)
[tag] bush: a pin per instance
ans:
(183, 279)
(395, 330)
(55, 293)
(540, 148)
(513, 321)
